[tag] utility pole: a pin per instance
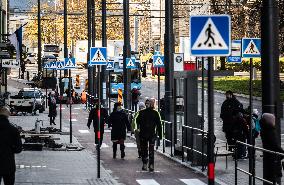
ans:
(65, 34)
(270, 72)
(104, 44)
(169, 49)
(39, 65)
(90, 69)
(126, 54)
(93, 21)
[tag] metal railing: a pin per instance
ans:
(249, 173)
(191, 147)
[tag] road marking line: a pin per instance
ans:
(77, 108)
(107, 131)
(147, 182)
(130, 145)
(84, 131)
(74, 120)
(62, 108)
(75, 113)
(103, 145)
(192, 182)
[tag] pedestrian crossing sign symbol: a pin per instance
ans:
(98, 56)
(158, 61)
(60, 65)
(52, 65)
(210, 35)
(110, 65)
(131, 63)
(46, 66)
(70, 63)
(251, 47)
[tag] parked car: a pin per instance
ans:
(31, 58)
(28, 100)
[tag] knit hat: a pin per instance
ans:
(141, 105)
(5, 111)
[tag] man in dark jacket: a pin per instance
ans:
(149, 124)
(230, 109)
(10, 143)
(93, 117)
(119, 122)
(270, 142)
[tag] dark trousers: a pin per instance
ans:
(134, 106)
(230, 140)
(122, 146)
(145, 144)
(52, 120)
(9, 179)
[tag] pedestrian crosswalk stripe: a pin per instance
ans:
(192, 182)
(147, 182)
(130, 145)
(77, 108)
(103, 145)
(107, 131)
(74, 120)
(84, 131)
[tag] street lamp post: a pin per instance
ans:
(90, 69)
(270, 73)
(65, 34)
(126, 54)
(168, 52)
(39, 38)
(104, 44)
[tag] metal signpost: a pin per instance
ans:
(210, 36)
(60, 66)
(251, 48)
(109, 67)
(70, 63)
(158, 62)
(98, 58)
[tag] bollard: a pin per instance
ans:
(119, 97)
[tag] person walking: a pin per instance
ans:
(149, 123)
(52, 107)
(83, 97)
(93, 118)
(118, 121)
(136, 130)
(135, 98)
(270, 141)
(10, 144)
(230, 108)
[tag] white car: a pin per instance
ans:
(31, 58)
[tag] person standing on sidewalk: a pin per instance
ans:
(10, 143)
(135, 98)
(52, 107)
(135, 129)
(149, 122)
(118, 121)
(269, 139)
(230, 108)
(93, 117)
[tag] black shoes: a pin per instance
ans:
(122, 154)
(151, 167)
(144, 167)
(114, 155)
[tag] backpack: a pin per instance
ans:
(256, 130)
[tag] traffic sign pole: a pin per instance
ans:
(70, 103)
(210, 146)
(159, 89)
(99, 125)
(61, 93)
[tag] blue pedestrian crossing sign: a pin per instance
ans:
(52, 65)
(110, 65)
(210, 35)
(70, 63)
(251, 47)
(131, 63)
(158, 61)
(46, 66)
(98, 56)
(60, 65)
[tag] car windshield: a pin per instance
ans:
(29, 94)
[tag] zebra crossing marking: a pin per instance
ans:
(84, 131)
(192, 182)
(147, 182)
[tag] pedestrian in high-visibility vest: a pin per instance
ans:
(135, 129)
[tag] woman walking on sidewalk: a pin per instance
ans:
(52, 107)
(119, 122)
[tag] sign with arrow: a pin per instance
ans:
(158, 61)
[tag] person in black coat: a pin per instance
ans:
(270, 142)
(230, 110)
(10, 143)
(93, 117)
(52, 107)
(119, 122)
(149, 124)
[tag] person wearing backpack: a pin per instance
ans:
(149, 123)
